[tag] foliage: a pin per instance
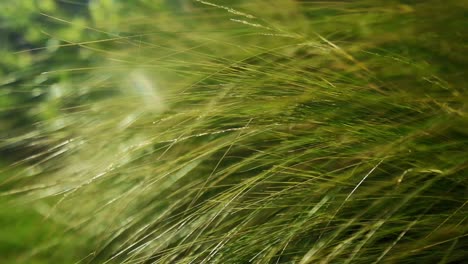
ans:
(236, 131)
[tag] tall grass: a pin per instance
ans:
(246, 132)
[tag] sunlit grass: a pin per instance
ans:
(218, 132)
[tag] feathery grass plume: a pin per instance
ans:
(234, 131)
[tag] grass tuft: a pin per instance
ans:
(237, 131)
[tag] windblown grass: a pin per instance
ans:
(247, 132)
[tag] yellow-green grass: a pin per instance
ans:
(241, 131)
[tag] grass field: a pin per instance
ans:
(234, 131)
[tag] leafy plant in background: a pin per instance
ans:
(234, 131)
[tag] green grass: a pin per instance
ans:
(236, 132)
